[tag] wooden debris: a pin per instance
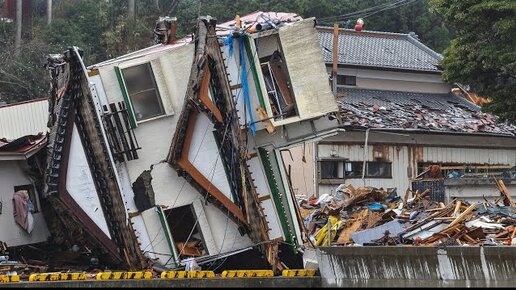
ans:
(507, 195)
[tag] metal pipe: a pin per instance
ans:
(365, 156)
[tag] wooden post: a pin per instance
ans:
(335, 57)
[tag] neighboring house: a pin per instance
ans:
(400, 118)
(22, 138)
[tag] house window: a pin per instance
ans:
(378, 170)
(330, 169)
(353, 169)
(279, 90)
(338, 169)
(346, 80)
(186, 231)
(143, 91)
(32, 195)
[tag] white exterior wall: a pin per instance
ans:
(11, 175)
(404, 161)
(155, 138)
(396, 81)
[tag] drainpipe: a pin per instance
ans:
(335, 60)
(365, 156)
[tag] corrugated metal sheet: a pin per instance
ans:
(405, 158)
(27, 118)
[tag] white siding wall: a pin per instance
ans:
(404, 161)
(11, 175)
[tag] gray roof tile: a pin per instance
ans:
(379, 49)
(417, 111)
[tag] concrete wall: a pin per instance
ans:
(341, 266)
(405, 157)
(12, 174)
(396, 81)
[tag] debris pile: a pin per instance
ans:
(370, 216)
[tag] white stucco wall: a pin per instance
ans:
(11, 175)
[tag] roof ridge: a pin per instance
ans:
(421, 45)
(364, 31)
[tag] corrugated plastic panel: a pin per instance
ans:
(27, 118)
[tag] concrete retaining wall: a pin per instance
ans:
(401, 265)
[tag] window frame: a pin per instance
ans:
(342, 164)
(344, 78)
(155, 88)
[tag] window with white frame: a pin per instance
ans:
(143, 91)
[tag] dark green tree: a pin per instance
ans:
(483, 54)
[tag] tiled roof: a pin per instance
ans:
(416, 111)
(379, 49)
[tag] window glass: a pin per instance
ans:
(143, 91)
(345, 80)
(330, 169)
(353, 169)
(378, 169)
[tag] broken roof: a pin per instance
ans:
(249, 20)
(416, 111)
(379, 49)
(22, 147)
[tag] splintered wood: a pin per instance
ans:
(422, 220)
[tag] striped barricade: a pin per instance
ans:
(9, 278)
(298, 272)
(187, 274)
(56, 276)
(123, 275)
(247, 273)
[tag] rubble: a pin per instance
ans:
(368, 216)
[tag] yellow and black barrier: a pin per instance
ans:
(298, 273)
(56, 276)
(123, 275)
(9, 278)
(187, 274)
(247, 273)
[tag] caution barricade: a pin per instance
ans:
(298, 273)
(9, 278)
(123, 275)
(187, 274)
(247, 273)
(56, 276)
